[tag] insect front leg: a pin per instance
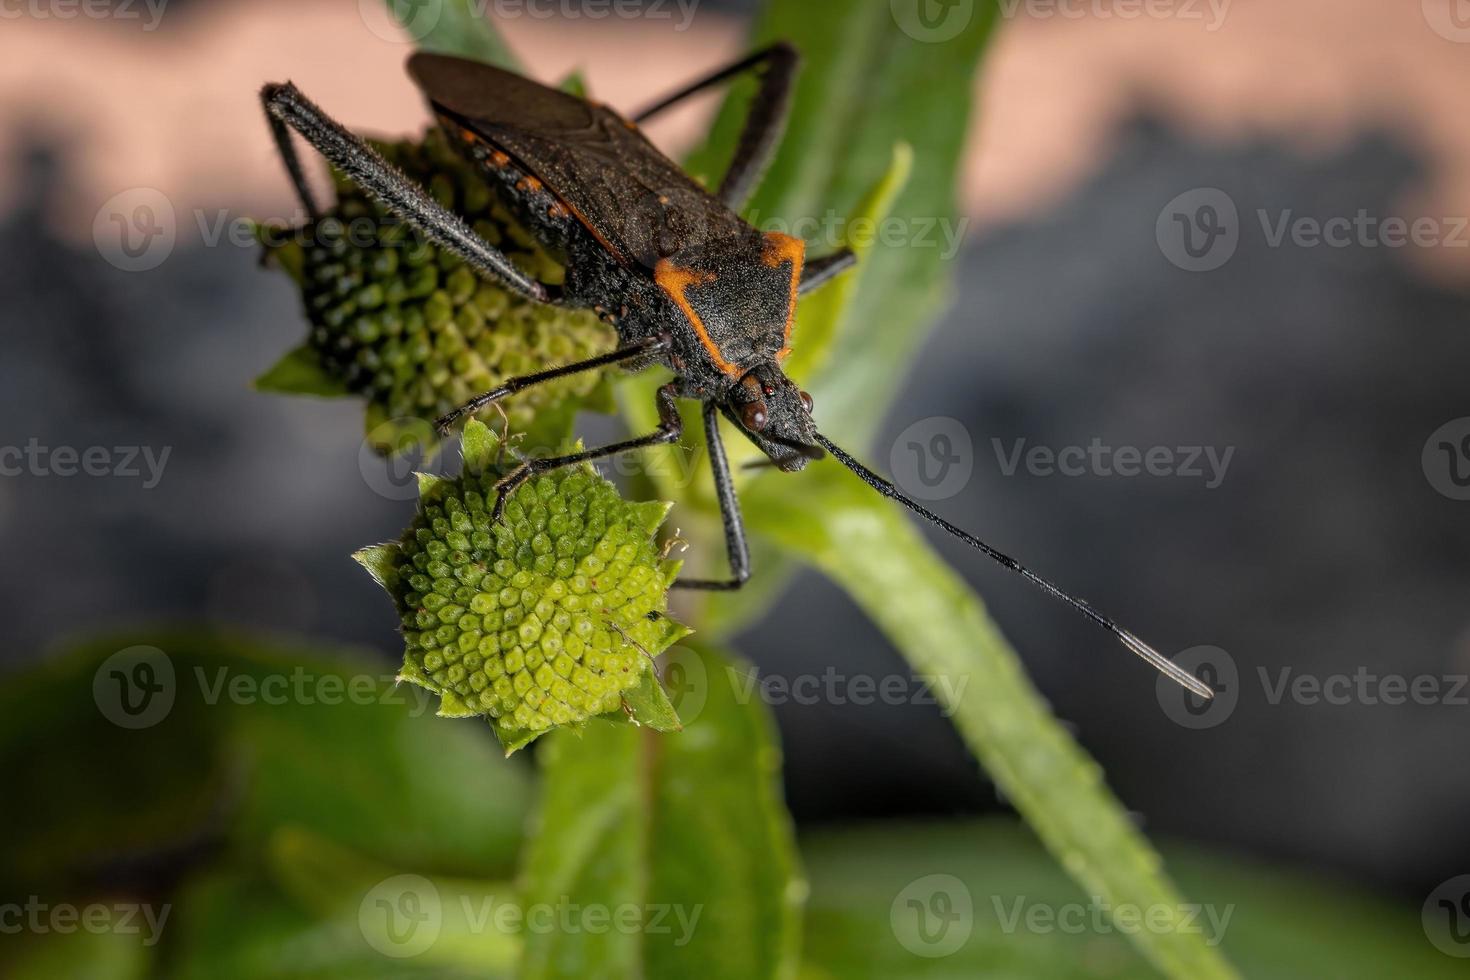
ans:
(285, 106)
(670, 428)
(736, 548)
(819, 272)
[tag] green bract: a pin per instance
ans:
(415, 330)
(544, 619)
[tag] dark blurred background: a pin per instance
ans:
(1333, 545)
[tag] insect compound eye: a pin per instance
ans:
(753, 416)
(806, 402)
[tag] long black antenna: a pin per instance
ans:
(1159, 662)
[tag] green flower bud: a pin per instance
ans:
(412, 328)
(543, 619)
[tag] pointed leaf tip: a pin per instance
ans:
(479, 445)
(378, 559)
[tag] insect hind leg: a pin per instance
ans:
(287, 108)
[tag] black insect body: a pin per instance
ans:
(671, 265)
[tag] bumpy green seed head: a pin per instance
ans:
(411, 327)
(546, 618)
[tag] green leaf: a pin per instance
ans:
(379, 559)
(870, 548)
(478, 446)
(300, 372)
(457, 27)
(449, 922)
(239, 737)
(687, 828)
(872, 886)
(106, 955)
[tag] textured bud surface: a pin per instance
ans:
(543, 619)
(411, 327)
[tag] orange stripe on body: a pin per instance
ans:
(674, 281)
(783, 248)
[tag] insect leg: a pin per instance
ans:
(287, 151)
(764, 123)
(818, 272)
(735, 546)
(670, 428)
(353, 156)
(653, 345)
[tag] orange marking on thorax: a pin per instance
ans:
(674, 281)
(781, 248)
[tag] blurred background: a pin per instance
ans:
(1205, 365)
